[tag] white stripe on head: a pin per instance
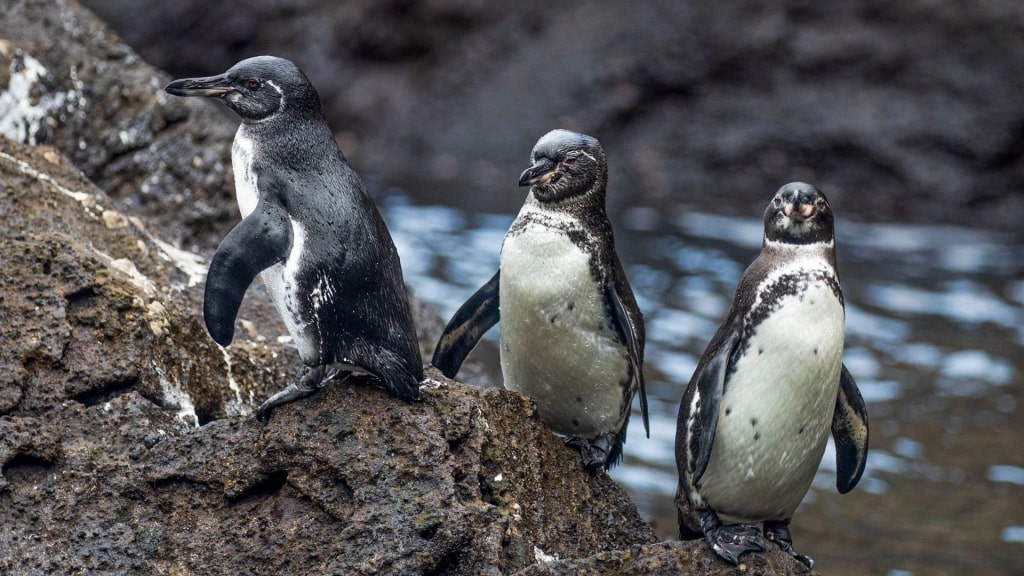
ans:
(280, 108)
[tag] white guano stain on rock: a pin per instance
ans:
(22, 114)
(176, 397)
(542, 557)
(238, 406)
(85, 198)
(188, 262)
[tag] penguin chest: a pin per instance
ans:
(557, 343)
(776, 411)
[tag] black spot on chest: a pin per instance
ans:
(772, 297)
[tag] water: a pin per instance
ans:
(935, 339)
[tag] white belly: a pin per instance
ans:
(279, 279)
(556, 344)
(776, 413)
(283, 291)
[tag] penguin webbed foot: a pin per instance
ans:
(594, 452)
(306, 382)
(778, 532)
(729, 541)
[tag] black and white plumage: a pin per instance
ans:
(311, 231)
(754, 421)
(572, 335)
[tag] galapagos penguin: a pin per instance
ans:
(311, 231)
(755, 418)
(572, 335)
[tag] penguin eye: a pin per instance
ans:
(252, 84)
(777, 201)
(569, 160)
(820, 203)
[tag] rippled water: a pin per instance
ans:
(935, 339)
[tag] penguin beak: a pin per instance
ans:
(212, 86)
(801, 210)
(542, 172)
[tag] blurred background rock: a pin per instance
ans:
(906, 111)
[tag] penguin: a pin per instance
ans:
(311, 231)
(572, 335)
(754, 420)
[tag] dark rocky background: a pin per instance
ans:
(907, 111)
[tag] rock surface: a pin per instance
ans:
(126, 445)
(73, 85)
(904, 111)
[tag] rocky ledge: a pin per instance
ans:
(127, 444)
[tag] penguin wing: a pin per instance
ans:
(478, 315)
(258, 241)
(709, 380)
(631, 332)
(850, 431)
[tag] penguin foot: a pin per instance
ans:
(309, 380)
(778, 532)
(732, 540)
(594, 452)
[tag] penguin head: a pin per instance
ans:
(798, 214)
(565, 164)
(257, 88)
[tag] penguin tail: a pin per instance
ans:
(615, 453)
(400, 378)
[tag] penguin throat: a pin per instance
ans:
(792, 231)
(551, 196)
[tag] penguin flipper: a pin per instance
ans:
(632, 334)
(478, 315)
(710, 381)
(257, 242)
(850, 431)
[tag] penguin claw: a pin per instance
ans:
(594, 453)
(309, 380)
(778, 532)
(732, 540)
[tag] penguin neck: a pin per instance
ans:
(825, 249)
(584, 206)
(582, 217)
(294, 140)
